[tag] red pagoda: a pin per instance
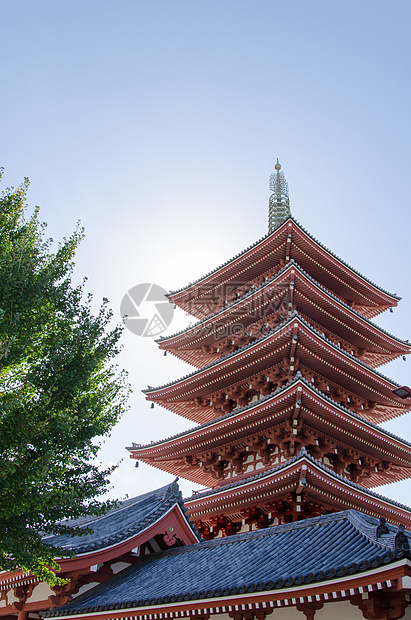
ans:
(286, 395)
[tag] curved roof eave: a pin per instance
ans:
(291, 263)
(298, 378)
(295, 315)
(303, 455)
(124, 522)
(171, 294)
(328, 549)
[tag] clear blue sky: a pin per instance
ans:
(157, 124)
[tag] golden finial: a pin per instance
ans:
(279, 204)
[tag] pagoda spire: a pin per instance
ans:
(279, 203)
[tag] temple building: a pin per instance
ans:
(286, 400)
(286, 395)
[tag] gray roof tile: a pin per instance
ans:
(123, 522)
(306, 551)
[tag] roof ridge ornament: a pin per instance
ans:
(279, 203)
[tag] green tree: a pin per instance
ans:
(59, 391)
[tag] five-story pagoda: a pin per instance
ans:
(286, 395)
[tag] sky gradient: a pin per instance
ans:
(157, 123)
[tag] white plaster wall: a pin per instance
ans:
(86, 587)
(339, 610)
(11, 598)
(286, 613)
(283, 613)
(40, 593)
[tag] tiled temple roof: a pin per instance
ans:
(253, 245)
(279, 390)
(283, 556)
(123, 522)
(303, 454)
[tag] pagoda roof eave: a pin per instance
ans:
(292, 387)
(216, 366)
(174, 295)
(255, 483)
(316, 410)
(213, 272)
(227, 309)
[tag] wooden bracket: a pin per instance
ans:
(294, 342)
(288, 247)
(309, 609)
(381, 605)
(297, 405)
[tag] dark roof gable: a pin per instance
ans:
(125, 521)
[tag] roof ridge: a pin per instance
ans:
(226, 415)
(249, 293)
(324, 247)
(369, 530)
(262, 533)
(227, 262)
(162, 500)
(344, 303)
(221, 359)
(341, 350)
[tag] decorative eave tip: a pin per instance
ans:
(279, 203)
